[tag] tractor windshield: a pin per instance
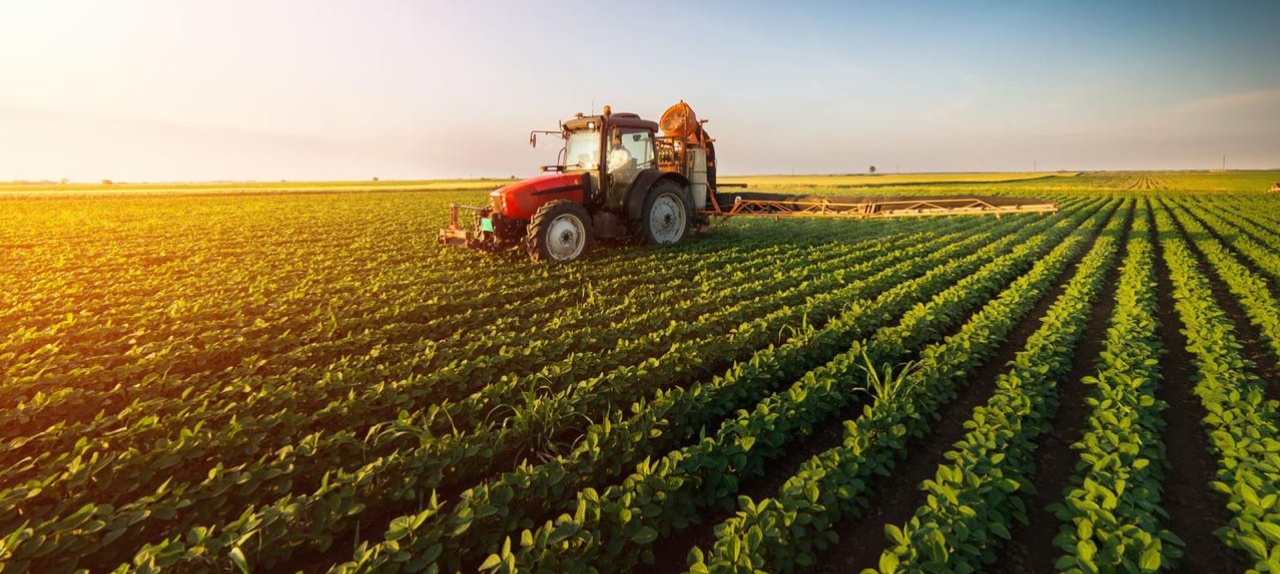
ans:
(582, 150)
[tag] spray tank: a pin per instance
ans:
(680, 123)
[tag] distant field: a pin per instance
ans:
(248, 187)
(895, 179)
(1015, 183)
(196, 380)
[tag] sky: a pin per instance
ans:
(192, 90)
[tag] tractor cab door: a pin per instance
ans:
(630, 151)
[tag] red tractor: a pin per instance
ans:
(617, 178)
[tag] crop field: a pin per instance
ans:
(281, 382)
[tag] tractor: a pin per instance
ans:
(616, 178)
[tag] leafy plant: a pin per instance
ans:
(884, 385)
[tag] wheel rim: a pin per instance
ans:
(566, 238)
(667, 218)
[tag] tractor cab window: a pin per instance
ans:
(637, 145)
(582, 150)
(630, 151)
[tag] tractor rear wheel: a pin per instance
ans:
(666, 216)
(560, 231)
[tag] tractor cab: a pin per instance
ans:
(609, 151)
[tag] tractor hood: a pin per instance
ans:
(522, 199)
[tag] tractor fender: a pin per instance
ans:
(639, 189)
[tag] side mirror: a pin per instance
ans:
(533, 139)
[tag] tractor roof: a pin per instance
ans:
(620, 120)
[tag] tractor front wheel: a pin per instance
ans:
(560, 231)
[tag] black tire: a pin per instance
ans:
(667, 215)
(560, 232)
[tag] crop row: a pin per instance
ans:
(302, 255)
(236, 480)
(1256, 214)
(1251, 290)
(1250, 240)
(455, 458)
(821, 281)
(394, 335)
(972, 501)
(389, 300)
(614, 529)
(1112, 513)
(787, 532)
(180, 495)
(481, 518)
(1242, 424)
(292, 408)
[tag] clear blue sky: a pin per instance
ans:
(290, 89)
